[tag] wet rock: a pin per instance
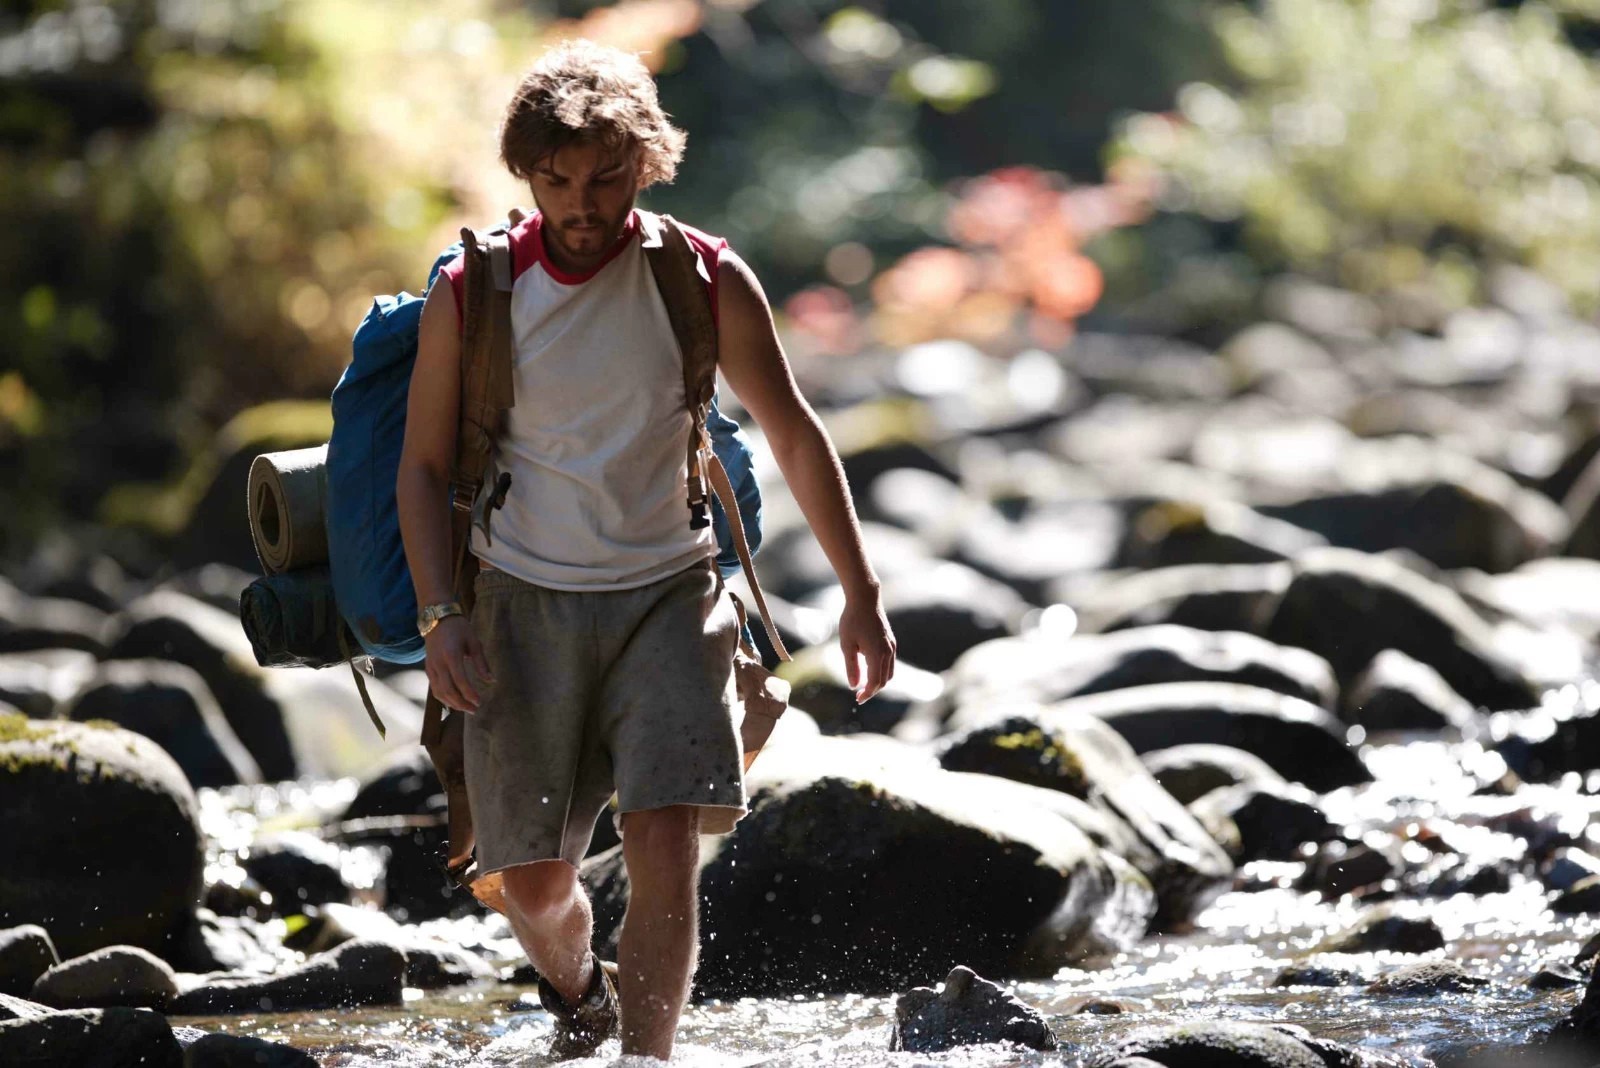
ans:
(1580, 1030)
(1039, 667)
(1188, 772)
(116, 975)
(356, 973)
(1348, 607)
(431, 964)
(1428, 977)
(1213, 1044)
(213, 943)
(855, 841)
(1311, 973)
(1397, 693)
(1042, 545)
(1472, 517)
(1540, 747)
(26, 953)
(1176, 533)
(404, 785)
(1567, 867)
(171, 705)
(1338, 868)
(793, 565)
(297, 869)
(940, 613)
(115, 1038)
(1296, 739)
(1174, 852)
(242, 1051)
(1453, 875)
(969, 1010)
(1559, 592)
(1018, 748)
(1254, 822)
(39, 682)
(1581, 896)
(863, 466)
(414, 886)
(15, 1008)
(101, 839)
(820, 687)
(1385, 929)
(1233, 597)
(171, 626)
(1555, 977)
(33, 623)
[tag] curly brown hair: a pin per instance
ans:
(582, 91)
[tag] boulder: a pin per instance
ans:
(1236, 597)
(26, 953)
(1539, 747)
(1385, 929)
(405, 784)
(1477, 518)
(967, 1010)
(168, 625)
(431, 963)
(1176, 533)
(1042, 667)
(792, 564)
(1397, 693)
(1559, 592)
(170, 704)
(1213, 1044)
(1581, 896)
(356, 973)
(1338, 868)
(1428, 977)
(1296, 739)
(298, 869)
(39, 682)
(104, 1038)
(1188, 772)
(1047, 542)
(820, 687)
(116, 975)
(213, 943)
(1580, 1030)
(1258, 822)
(940, 613)
(34, 623)
(1349, 607)
(101, 838)
(1316, 972)
(856, 842)
(243, 1051)
(1182, 862)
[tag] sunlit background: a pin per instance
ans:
(201, 199)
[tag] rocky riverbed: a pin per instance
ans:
(1243, 691)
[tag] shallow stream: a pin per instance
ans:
(1222, 969)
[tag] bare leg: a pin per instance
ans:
(550, 916)
(660, 938)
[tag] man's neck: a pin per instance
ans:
(563, 262)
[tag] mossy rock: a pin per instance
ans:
(101, 838)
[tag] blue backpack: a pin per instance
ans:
(371, 581)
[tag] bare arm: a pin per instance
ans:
(752, 361)
(422, 487)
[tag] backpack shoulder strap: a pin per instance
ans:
(683, 289)
(486, 393)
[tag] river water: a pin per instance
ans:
(1223, 968)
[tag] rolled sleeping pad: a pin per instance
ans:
(287, 494)
(291, 620)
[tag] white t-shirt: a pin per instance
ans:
(597, 441)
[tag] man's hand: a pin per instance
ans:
(454, 656)
(864, 634)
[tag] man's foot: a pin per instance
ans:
(581, 1028)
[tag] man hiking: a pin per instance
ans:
(598, 656)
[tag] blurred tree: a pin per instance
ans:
(1394, 147)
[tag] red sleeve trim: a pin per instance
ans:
(709, 248)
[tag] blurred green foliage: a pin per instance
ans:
(1395, 146)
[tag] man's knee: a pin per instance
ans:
(542, 889)
(662, 835)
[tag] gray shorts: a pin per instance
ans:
(625, 691)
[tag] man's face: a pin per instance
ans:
(586, 192)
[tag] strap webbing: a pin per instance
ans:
(722, 486)
(361, 684)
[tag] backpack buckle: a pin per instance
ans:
(462, 493)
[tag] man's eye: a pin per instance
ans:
(605, 181)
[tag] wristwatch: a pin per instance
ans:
(428, 615)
